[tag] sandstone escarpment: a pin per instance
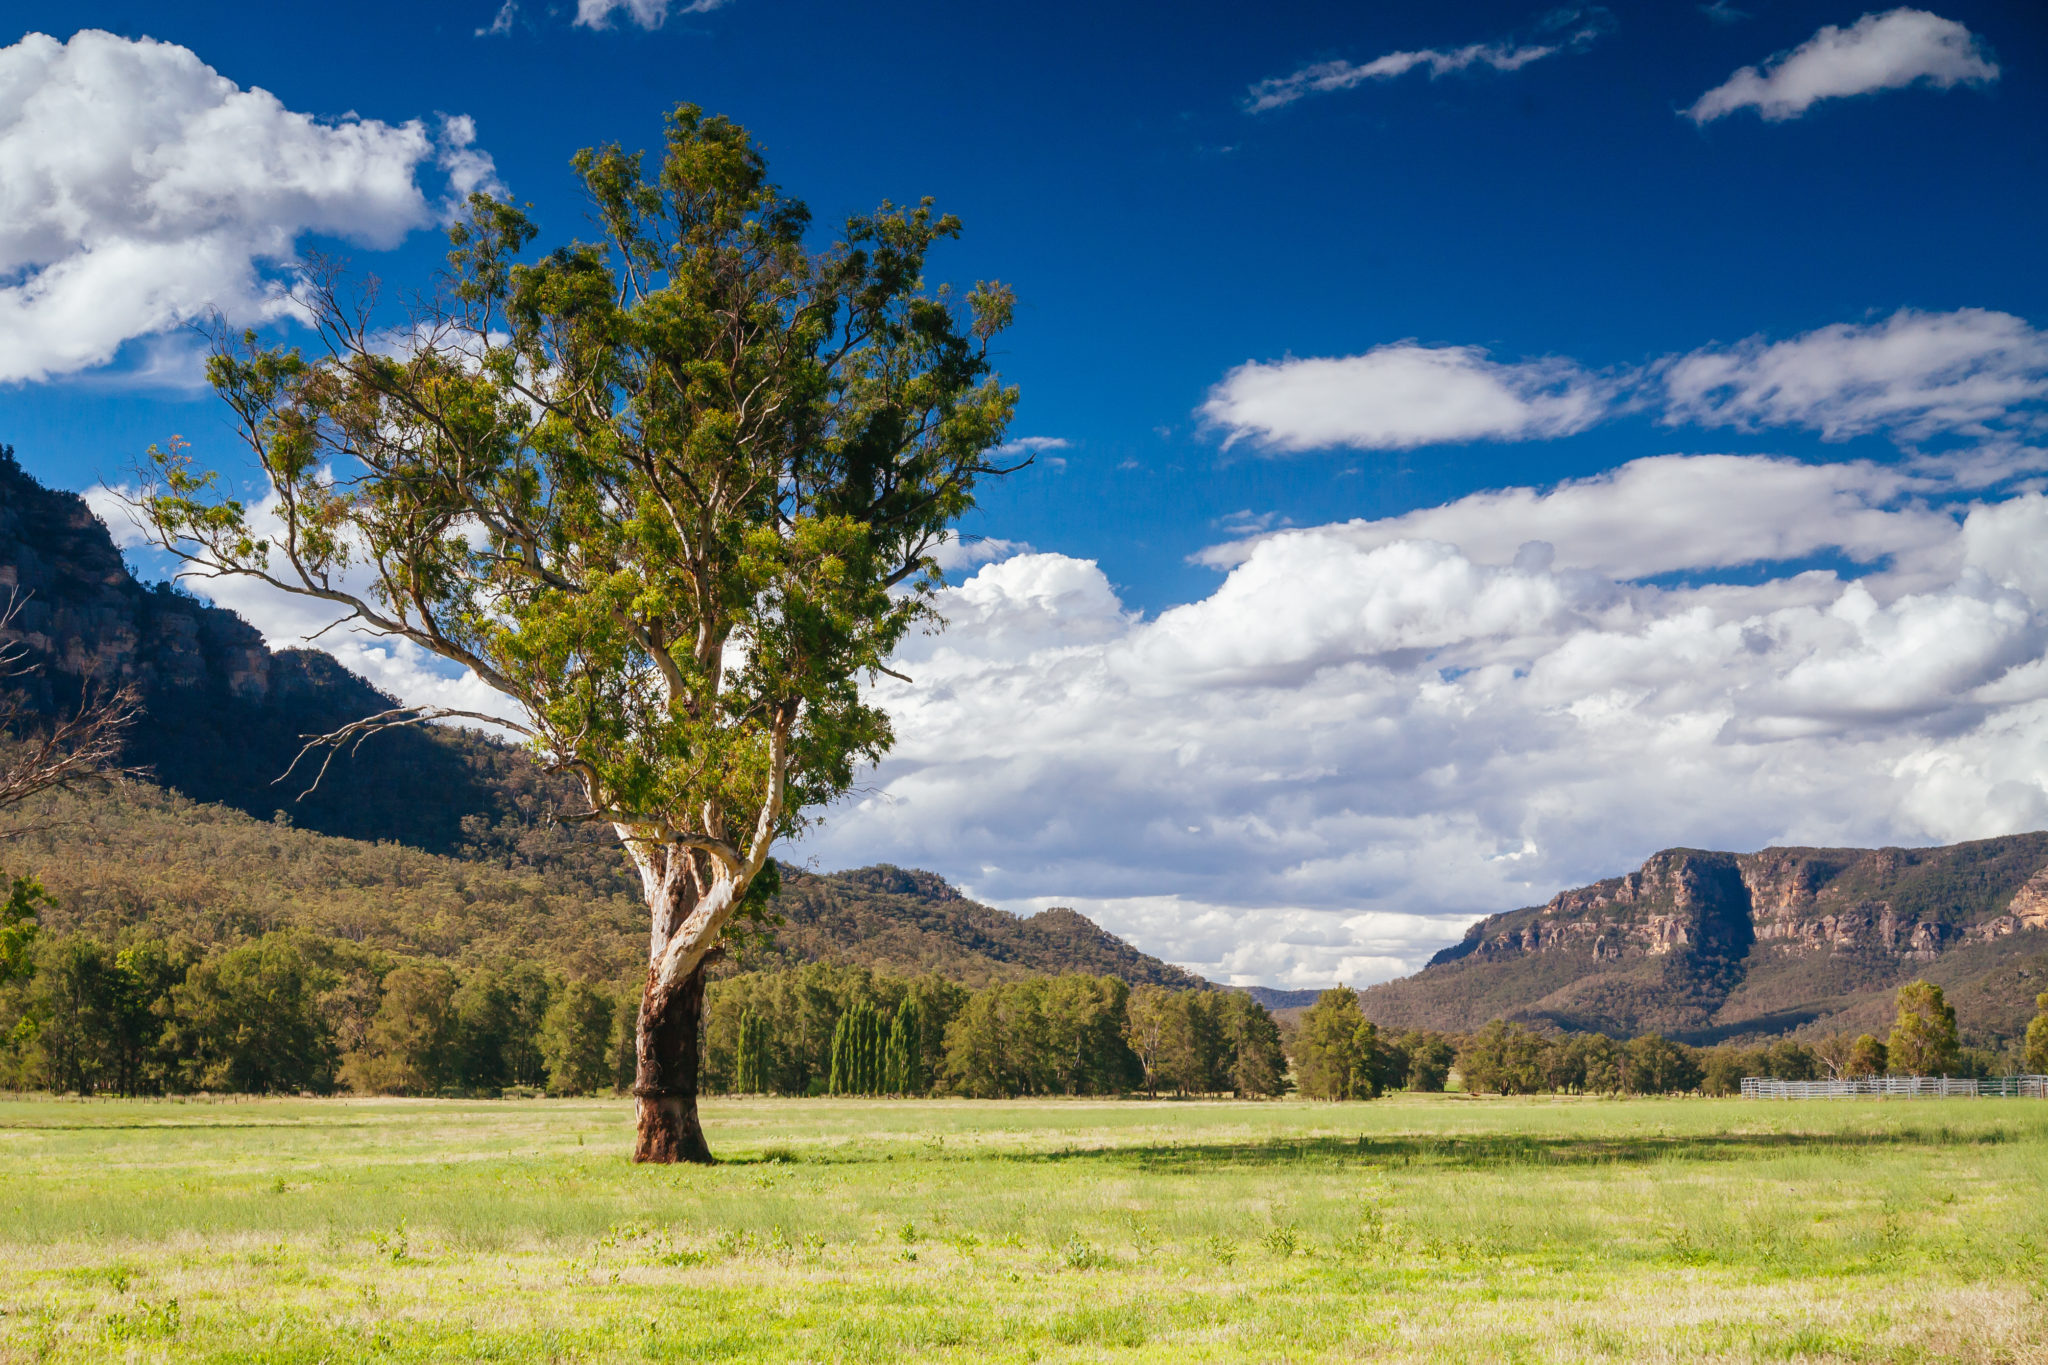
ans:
(223, 714)
(1712, 944)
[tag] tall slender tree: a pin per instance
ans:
(1923, 1041)
(904, 1072)
(672, 495)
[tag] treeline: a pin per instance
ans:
(824, 1029)
(292, 1012)
(1340, 1055)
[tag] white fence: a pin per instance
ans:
(1763, 1088)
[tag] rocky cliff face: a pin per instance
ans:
(224, 714)
(1680, 900)
(1708, 945)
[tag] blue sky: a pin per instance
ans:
(1523, 235)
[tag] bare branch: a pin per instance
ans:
(355, 732)
(84, 745)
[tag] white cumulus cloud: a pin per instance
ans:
(1370, 733)
(1914, 374)
(140, 189)
(1886, 51)
(1671, 513)
(1403, 395)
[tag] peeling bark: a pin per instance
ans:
(666, 1053)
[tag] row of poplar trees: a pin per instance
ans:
(827, 1029)
(872, 1055)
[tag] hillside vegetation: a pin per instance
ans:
(137, 857)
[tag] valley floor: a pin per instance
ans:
(1435, 1228)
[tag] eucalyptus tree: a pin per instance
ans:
(672, 494)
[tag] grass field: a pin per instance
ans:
(1427, 1228)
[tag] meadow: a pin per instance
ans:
(1440, 1228)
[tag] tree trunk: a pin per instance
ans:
(665, 1078)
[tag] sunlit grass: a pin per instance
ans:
(1424, 1228)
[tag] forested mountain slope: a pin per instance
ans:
(442, 845)
(912, 922)
(1707, 946)
(138, 858)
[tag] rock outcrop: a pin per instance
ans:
(1709, 945)
(223, 714)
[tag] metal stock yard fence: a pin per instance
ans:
(2015, 1087)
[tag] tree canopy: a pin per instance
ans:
(672, 495)
(1923, 1041)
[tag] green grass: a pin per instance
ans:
(1416, 1228)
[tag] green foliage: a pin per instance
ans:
(249, 1020)
(18, 925)
(411, 1048)
(1867, 1057)
(1336, 1049)
(93, 1028)
(1723, 1069)
(1255, 1060)
(1923, 1041)
(2036, 1054)
(1654, 1065)
(750, 1055)
(1429, 1058)
(576, 1038)
(1504, 1059)
(498, 1013)
(857, 1045)
(903, 1068)
(997, 1046)
(672, 493)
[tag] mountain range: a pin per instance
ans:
(438, 842)
(428, 842)
(1709, 947)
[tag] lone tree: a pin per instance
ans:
(673, 494)
(1923, 1041)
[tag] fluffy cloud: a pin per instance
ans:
(140, 189)
(648, 14)
(1567, 30)
(1914, 374)
(1878, 52)
(1369, 733)
(1403, 395)
(1651, 517)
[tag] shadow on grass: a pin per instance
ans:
(1473, 1152)
(1487, 1150)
